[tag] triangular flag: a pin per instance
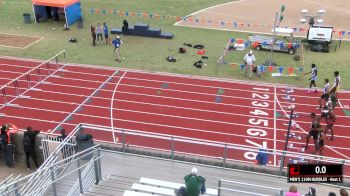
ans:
(270, 68)
(280, 69)
(346, 112)
(242, 66)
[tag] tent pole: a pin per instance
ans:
(34, 13)
(65, 15)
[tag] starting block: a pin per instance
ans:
(288, 90)
(288, 97)
(293, 135)
(294, 115)
(294, 125)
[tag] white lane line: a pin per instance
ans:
(111, 109)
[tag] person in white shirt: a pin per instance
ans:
(336, 85)
(313, 78)
(249, 60)
(325, 91)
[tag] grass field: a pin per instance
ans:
(150, 53)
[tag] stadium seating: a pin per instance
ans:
(161, 187)
(172, 185)
(144, 30)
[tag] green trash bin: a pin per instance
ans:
(26, 17)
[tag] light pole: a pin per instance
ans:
(278, 19)
(311, 18)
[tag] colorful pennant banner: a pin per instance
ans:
(192, 19)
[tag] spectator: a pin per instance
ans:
(249, 60)
(9, 145)
(93, 35)
(195, 184)
(3, 141)
(29, 146)
(312, 192)
(331, 194)
(66, 149)
(105, 30)
(262, 157)
(343, 192)
(99, 32)
(117, 43)
(293, 191)
(125, 27)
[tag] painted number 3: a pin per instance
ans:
(260, 104)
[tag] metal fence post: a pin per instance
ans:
(99, 163)
(172, 148)
(123, 140)
(16, 189)
(53, 181)
(79, 177)
(96, 167)
(281, 192)
(219, 187)
(225, 156)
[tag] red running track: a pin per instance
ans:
(230, 112)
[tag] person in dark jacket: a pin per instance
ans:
(3, 139)
(195, 185)
(67, 148)
(29, 146)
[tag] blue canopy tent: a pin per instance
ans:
(70, 8)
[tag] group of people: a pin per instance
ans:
(97, 34)
(7, 146)
(293, 191)
(327, 103)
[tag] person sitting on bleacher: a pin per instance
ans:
(195, 185)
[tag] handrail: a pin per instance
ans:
(280, 191)
(243, 183)
(44, 186)
(57, 165)
(214, 144)
(46, 169)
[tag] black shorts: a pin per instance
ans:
(106, 36)
(325, 114)
(313, 134)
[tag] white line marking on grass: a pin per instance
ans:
(112, 101)
(202, 10)
(33, 43)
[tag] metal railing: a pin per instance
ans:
(248, 186)
(222, 153)
(84, 171)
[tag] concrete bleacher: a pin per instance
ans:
(144, 30)
(149, 186)
(121, 171)
(172, 185)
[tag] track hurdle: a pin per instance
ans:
(4, 95)
(15, 84)
(28, 80)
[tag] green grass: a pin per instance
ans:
(150, 53)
